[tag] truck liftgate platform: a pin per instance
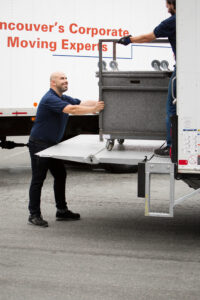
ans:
(90, 150)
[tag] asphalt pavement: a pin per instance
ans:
(113, 253)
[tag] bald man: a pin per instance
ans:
(48, 130)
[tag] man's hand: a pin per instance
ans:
(98, 106)
(125, 40)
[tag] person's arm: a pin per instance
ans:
(144, 38)
(88, 103)
(84, 109)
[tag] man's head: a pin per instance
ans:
(171, 5)
(58, 82)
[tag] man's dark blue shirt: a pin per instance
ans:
(51, 122)
(167, 28)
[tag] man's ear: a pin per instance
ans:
(53, 82)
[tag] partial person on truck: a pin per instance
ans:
(48, 130)
(166, 29)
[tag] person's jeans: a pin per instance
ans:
(40, 166)
(170, 107)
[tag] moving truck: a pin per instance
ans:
(39, 37)
(185, 160)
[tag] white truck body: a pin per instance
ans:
(39, 37)
(188, 85)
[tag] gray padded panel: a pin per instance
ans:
(138, 108)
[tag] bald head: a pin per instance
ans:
(55, 75)
(58, 82)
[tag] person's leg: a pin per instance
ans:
(170, 107)
(39, 170)
(59, 173)
(170, 111)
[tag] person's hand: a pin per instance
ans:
(125, 40)
(99, 106)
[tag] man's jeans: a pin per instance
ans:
(40, 166)
(170, 107)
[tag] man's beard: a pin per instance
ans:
(62, 89)
(172, 11)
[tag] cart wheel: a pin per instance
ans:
(156, 65)
(120, 141)
(103, 65)
(114, 65)
(109, 144)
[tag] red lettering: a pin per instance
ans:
(44, 28)
(20, 26)
(65, 44)
(95, 46)
(3, 25)
(28, 27)
(120, 32)
(61, 28)
(72, 47)
(11, 26)
(32, 44)
(53, 46)
(80, 47)
(102, 31)
(94, 31)
(114, 32)
(51, 27)
(71, 28)
(13, 42)
(24, 44)
(108, 31)
(36, 27)
(104, 48)
(87, 47)
(81, 30)
(126, 32)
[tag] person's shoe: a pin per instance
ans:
(162, 152)
(37, 220)
(66, 215)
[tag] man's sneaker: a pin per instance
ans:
(66, 215)
(37, 220)
(162, 152)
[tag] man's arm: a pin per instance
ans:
(84, 109)
(88, 103)
(144, 38)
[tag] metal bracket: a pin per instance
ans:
(158, 168)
